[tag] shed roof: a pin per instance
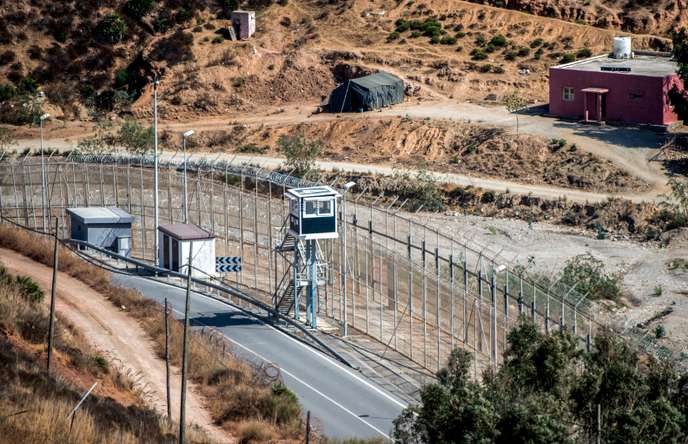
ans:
(318, 191)
(100, 215)
(643, 64)
(186, 231)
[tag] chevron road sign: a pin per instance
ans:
(225, 264)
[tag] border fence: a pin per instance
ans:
(415, 289)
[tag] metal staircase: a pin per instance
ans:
(297, 275)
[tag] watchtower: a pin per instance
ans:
(312, 217)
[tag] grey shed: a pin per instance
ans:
(108, 228)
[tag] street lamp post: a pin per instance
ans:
(155, 166)
(44, 185)
(186, 135)
(343, 301)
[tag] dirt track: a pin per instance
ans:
(129, 349)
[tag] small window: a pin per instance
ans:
(311, 208)
(568, 94)
(294, 207)
(325, 208)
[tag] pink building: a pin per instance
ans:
(604, 88)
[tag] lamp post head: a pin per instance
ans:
(44, 116)
(188, 133)
(500, 268)
(349, 185)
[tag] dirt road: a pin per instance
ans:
(97, 318)
(630, 148)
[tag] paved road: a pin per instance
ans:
(345, 404)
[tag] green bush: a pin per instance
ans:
(536, 43)
(7, 92)
(583, 53)
(510, 55)
(499, 41)
(218, 39)
(480, 40)
(485, 68)
(285, 404)
(478, 54)
(448, 40)
(134, 137)
(138, 8)
(498, 69)
(460, 35)
(523, 51)
(435, 39)
(394, 35)
(660, 331)
(415, 34)
(111, 29)
(29, 289)
(402, 25)
(538, 54)
(589, 276)
(300, 152)
(567, 58)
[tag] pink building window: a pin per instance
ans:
(568, 94)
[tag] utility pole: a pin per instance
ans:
(343, 302)
(44, 184)
(185, 136)
(599, 423)
(167, 361)
(185, 352)
(155, 165)
(53, 291)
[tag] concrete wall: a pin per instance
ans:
(631, 98)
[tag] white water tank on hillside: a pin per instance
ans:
(622, 48)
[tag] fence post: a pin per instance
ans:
(425, 313)
(167, 362)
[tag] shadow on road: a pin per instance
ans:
(623, 136)
(224, 319)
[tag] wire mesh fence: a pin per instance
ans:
(408, 285)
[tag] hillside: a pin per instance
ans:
(636, 16)
(94, 58)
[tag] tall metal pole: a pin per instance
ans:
(155, 167)
(53, 291)
(43, 182)
(185, 349)
(345, 328)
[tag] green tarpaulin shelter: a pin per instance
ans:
(367, 93)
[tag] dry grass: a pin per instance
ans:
(234, 390)
(34, 408)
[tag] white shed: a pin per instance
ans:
(175, 240)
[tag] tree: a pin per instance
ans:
(588, 275)
(300, 153)
(514, 103)
(111, 28)
(678, 97)
(138, 8)
(135, 138)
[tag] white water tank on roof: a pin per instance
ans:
(622, 48)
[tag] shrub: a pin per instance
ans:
(415, 34)
(523, 51)
(567, 58)
(478, 54)
(163, 21)
(217, 39)
(300, 153)
(448, 40)
(589, 276)
(658, 291)
(510, 56)
(138, 8)
(7, 92)
(402, 25)
(393, 36)
(480, 40)
(134, 137)
(499, 40)
(435, 39)
(536, 43)
(538, 54)
(111, 29)
(660, 331)
(460, 35)
(252, 148)
(485, 68)
(29, 289)
(238, 82)
(251, 432)
(497, 69)
(583, 53)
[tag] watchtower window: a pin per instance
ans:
(311, 208)
(325, 208)
(319, 208)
